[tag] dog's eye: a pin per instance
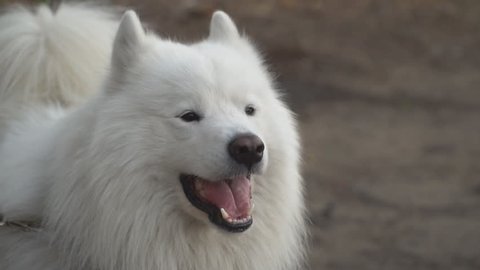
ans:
(190, 116)
(250, 110)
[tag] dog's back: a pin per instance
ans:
(49, 61)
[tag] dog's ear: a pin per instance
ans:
(222, 28)
(128, 40)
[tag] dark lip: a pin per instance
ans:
(213, 212)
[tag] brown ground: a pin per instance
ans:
(388, 99)
(389, 104)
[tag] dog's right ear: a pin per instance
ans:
(222, 27)
(129, 38)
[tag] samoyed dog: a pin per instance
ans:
(124, 150)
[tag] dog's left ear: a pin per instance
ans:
(222, 28)
(129, 38)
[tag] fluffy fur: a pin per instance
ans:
(102, 175)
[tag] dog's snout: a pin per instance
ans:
(246, 149)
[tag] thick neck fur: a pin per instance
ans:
(103, 219)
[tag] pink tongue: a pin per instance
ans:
(233, 197)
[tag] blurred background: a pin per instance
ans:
(387, 94)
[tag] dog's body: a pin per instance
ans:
(154, 171)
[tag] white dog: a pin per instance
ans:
(158, 169)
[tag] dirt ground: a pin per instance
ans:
(387, 94)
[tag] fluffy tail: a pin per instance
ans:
(53, 57)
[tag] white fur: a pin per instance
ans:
(103, 177)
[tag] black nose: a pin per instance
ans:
(246, 149)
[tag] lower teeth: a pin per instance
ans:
(237, 221)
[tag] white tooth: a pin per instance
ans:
(225, 215)
(251, 209)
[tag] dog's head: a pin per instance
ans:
(201, 119)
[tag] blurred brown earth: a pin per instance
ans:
(387, 94)
(388, 97)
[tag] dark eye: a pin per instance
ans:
(190, 116)
(250, 110)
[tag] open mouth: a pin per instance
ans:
(226, 202)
